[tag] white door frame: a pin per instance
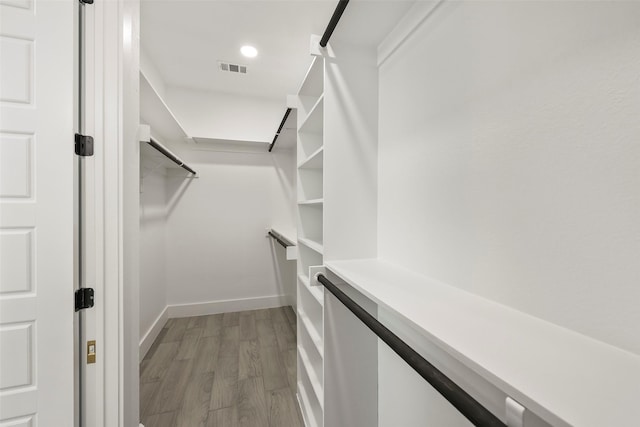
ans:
(112, 397)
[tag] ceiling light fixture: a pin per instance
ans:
(249, 51)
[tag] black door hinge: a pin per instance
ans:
(84, 145)
(84, 298)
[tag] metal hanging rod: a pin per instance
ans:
(169, 155)
(460, 399)
(333, 22)
(280, 239)
(284, 119)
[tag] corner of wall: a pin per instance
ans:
(152, 333)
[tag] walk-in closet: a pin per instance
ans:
(358, 214)
(319, 213)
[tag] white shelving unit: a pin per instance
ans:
(310, 151)
(559, 381)
(158, 122)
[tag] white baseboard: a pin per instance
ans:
(227, 306)
(210, 307)
(153, 332)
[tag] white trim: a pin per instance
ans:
(109, 128)
(414, 18)
(212, 307)
(226, 306)
(153, 332)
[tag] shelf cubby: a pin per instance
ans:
(312, 244)
(312, 87)
(311, 186)
(308, 411)
(307, 258)
(310, 328)
(308, 144)
(314, 161)
(311, 381)
(310, 222)
(313, 83)
(315, 291)
(312, 123)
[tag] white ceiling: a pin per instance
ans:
(185, 39)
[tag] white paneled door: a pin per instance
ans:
(36, 213)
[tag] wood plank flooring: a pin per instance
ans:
(223, 370)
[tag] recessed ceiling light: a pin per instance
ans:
(249, 51)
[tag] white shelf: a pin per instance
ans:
(564, 377)
(313, 83)
(291, 251)
(156, 113)
(152, 158)
(314, 161)
(312, 331)
(316, 385)
(315, 291)
(311, 244)
(313, 202)
(307, 410)
(313, 122)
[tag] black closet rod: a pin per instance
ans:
(170, 156)
(280, 239)
(460, 399)
(333, 22)
(284, 119)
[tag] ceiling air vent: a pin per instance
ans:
(232, 68)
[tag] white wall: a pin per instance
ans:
(350, 152)
(223, 116)
(216, 228)
(508, 160)
(153, 281)
(152, 74)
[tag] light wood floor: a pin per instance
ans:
(223, 370)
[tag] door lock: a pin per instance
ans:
(91, 352)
